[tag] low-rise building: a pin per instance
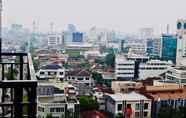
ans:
(125, 86)
(153, 68)
(81, 76)
(51, 71)
(177, 73)
(56, 98)
(173, 95)
(131, 104)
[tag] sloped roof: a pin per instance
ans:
(51, 66)
(79, 72)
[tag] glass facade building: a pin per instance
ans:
(168, 47)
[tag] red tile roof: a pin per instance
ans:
(78, 72)
(166, 95)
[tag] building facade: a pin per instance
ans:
(124, 69)
(181, 43)
(168, 47)
(131, 105)
(177, 73)
(57, 99)
(51, 71)
(153, 68)
(80, 76)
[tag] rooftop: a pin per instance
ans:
(51, 66)
(133, 96)
(78, 72)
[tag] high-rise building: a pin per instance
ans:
(157, 45)
(55, 39)
(181, 43)
(71, 28)
(168, 47)
(146, 33)
(77, 37)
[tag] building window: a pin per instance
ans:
(52, 109)
(73, 78)
(42, 73)
(49, 73)
(119, 107)
(87, 78)
(58, 109)
(41, 109)
(61, 73)
(137, 114)
(79, 78)
(146, 106)
(128, 105)
(137, 106)
(145, 114)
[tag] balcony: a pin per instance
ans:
(17, 86)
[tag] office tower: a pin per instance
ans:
(77, 37)
(168, 47)
(181, 43)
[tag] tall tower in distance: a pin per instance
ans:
(181, 42)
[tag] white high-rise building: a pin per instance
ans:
(181, 42)
(124, 69)
(55, 39)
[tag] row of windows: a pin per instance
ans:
(79, 78)
(51, 73)
(57, 109)
(137, 106)
(126, 64)
(150, 68)
(125, 68)
(137, 114)
(124, 73)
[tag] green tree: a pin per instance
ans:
(99, 61)
(110, 59)
(120, 115)
(87, 103)
(97, 77)
(49, 115)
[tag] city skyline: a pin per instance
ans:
(126, 16)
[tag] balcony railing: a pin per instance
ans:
(17, 86)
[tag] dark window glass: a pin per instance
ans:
(119, 107)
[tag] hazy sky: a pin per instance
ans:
(121, 15)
